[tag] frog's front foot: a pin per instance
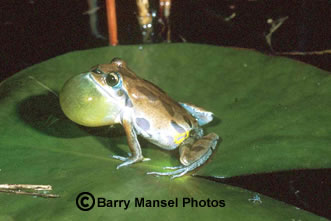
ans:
(129, 160)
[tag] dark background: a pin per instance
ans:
(32, 31)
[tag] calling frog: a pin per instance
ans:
(111, 94)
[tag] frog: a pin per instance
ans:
(112, 93)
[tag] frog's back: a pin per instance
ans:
(157, 116)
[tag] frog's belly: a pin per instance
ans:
(167, 137)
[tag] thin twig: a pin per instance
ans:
(328, 51)
(25, 186)
(17, 189)
(274, 26)
(18, 192)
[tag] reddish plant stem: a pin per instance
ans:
(112, 22)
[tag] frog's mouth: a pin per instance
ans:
(99, 87)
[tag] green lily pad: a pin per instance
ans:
(272, 114)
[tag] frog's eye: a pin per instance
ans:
(97, 71)
(113, 79)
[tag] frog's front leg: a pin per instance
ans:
(136, 153)
(193, 153)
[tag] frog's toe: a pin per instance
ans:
(174, 174)
(126, 163)
(125, 158)
(120, 158)
(180, 174)
(129, 160)
(173, 168)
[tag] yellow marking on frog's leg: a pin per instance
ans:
(179, 138)
(43, 85)
(191, 153)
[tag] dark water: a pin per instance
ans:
(32, 31)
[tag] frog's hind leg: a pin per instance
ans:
(193, 153)
(201, 115)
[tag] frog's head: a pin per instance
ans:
(96, 98)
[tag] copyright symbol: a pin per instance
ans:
(85, 201)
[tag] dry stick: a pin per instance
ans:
(145, 20)
(144, 17)
(25, 186)
(165, 9)
(18, 192)
(328, 51)
(274, 26)
(16, 189)
(93, 17)
(112, 23)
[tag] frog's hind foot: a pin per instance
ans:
(128, 160)
(192, 156)
(177, 173)
(182, 170)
